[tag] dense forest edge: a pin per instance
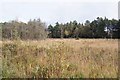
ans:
(37, 30)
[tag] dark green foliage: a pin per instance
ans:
(94, 29)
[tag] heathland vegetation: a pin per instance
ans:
(56, 58)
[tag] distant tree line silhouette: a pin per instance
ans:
(99, 28)
(34, 29)
(37, 30)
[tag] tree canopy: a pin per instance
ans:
(99, 28)
(36, 29)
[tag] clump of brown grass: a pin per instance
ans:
(60, 58)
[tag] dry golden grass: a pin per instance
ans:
(83, 58)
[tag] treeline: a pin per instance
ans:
(99, 28)
(36, 29)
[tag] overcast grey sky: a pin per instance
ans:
(51, 11)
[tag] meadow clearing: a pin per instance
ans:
(60, 58)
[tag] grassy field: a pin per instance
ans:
(56, 58)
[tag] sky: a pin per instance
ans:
(62, 11)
